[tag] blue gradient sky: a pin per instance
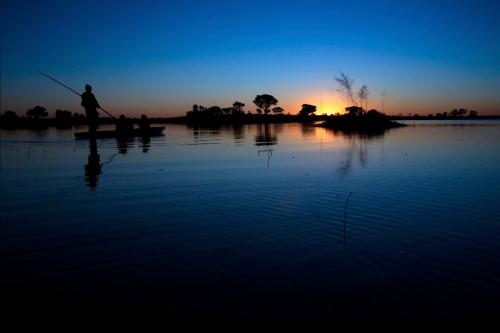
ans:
(161, 57)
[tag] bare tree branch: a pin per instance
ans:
(346, 87)
(363, 96)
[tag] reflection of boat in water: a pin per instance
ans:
(153, 131)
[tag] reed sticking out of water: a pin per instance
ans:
(345, 216)
(269, 152)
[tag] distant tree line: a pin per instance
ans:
(458, 113)
(307, 110)
(37, 117)
(199, 110)
(453, 114)
(264, 103)
(236, 112)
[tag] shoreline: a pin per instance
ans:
(27, 123)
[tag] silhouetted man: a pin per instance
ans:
(89, 102)
(124, 127)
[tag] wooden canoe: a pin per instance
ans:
(153, 131)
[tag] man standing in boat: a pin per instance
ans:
(89, 102)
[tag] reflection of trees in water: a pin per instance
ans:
(308, 131)
(267, 134)
(206, 131)
(201, 134)
(238, 134)
(357, 145)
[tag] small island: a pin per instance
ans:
(357, 119)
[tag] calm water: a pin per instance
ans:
(279, 220)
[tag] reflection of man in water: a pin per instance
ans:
(89, 102)
(93, 167)
(146, 143)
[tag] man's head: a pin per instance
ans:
(88, 88)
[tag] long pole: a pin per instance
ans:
(65, 86)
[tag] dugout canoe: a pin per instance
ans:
(153, 131)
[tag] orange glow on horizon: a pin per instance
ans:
(329, 104)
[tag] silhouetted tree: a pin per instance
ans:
(214, 110)
(37, 112)
(195, 108)
(227, 111)
(278, 110)
(9, 116)
(9, 119)
(354, 111)
(266, 135)
(78, 118)
(264, 102)
(238, 108)
(458, 112)
(307, 109)
(472, 113)
(63, 116)
(374, 113)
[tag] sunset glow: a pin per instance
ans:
(159, 58)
